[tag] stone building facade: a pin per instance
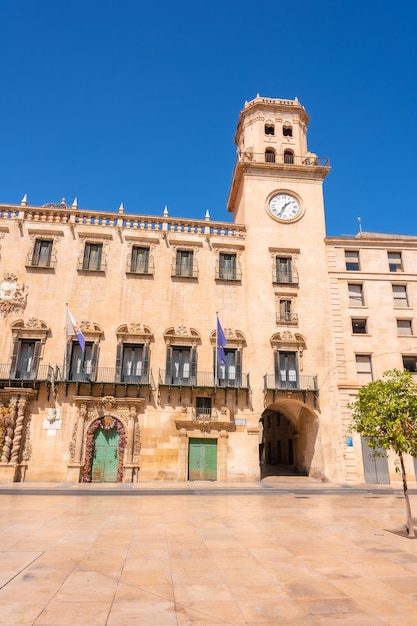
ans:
(306, 319)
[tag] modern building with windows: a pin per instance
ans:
(307, 319)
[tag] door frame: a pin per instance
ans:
(106, 423)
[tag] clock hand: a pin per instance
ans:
(282, 210)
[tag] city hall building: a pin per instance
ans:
(134, 390)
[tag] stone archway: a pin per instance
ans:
(290, 442)
(106, 423)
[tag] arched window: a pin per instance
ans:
(269, 155)
(288, 156)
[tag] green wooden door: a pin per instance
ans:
(202, 459)
(105, 456)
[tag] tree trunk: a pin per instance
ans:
(410, 524)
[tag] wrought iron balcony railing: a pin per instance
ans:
(284, 159)
(287, 318)
(285, 278)
(43, 373)
(203, 379)
(291, 382)
(103, 375)
(43, 264)
(146, 266)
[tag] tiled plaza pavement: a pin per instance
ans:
(206, 557)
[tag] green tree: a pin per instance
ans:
(385, 411)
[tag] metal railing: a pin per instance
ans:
(227, 273)
(292, 382)
(203, 379)
(44, 264)
(41, 374)
(189, 270)
(285, 278)
(140, 267)
(287, 318)
(204, 414)
(104, 375)
(284, 159)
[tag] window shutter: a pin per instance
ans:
(193, 357)
(145, 364)
(168, 372)
(15, 355)
(35, 359)
(68, 350)
(276, 368)
(119, 356)
(238, 364)
(94, 362)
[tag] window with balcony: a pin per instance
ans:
(132, 363)
(286, 313)
(203, 407)
(352, 260)
(288, 157)
(269, 129)
(404, 327)
(286, 370)
(82, 365)
(139, 261)
(399, 293)
(284, 270)
(395, 262)
(355, 292)
(363, 368)
(359, 326)
(227, 266)
(229, 374)
(269, 155)
(410, 363)
(184, 263)
(181, 365)
(42, 253)
(92, 259)
(25, 359)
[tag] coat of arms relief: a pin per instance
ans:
(12, 294)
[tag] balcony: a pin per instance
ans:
(291, 383)
(203, 379)
(205, 420)
(104, 376)
(29, 379)
(227, 273)
(285, 278)
(310, 160)
(179, 270)
(145, 267)
(38, 263)
(287, 318)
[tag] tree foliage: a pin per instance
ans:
(385, 411)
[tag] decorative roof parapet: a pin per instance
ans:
(79, 217)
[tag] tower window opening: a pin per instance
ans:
(287, 131)
(269, 155)
(288, 156)
(269, 129)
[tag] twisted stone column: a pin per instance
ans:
(8, 437)
(18, 431)
(130, 443)
(82, 416)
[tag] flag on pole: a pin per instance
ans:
(221, 343)
(74, 330)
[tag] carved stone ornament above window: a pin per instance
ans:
(12, 295)
(181, 334)
(235, 338)
(135, 333)
(33, 329)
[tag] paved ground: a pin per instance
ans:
(293, 552)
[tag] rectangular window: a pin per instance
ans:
(404, 327)
(227, 266)
(140, 260)
(286, 370)
(203, 407)
(283, 270)
(395, 262)
(399, 293)
(359, 326)
(355, 292)
(184, 263)
(132, 363)
(352, 260)
(229, 373)
(410, 363)
(81, 364)
(285, 311)
(42, 253)
(364, 368)
(25, 359)
(92, 256)
(181, 366)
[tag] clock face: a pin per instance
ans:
(284, 206)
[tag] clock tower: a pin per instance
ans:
(277, 193)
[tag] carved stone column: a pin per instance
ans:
(18, 431)
(8, 439)
(129, 466)
(76, 448)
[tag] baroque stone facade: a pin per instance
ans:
(303, 320)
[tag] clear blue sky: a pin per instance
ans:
(127, 101)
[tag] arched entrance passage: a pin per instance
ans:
(105, 446)
(289, 441)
